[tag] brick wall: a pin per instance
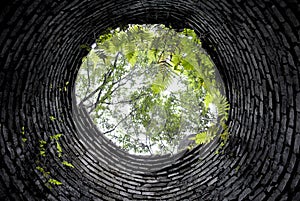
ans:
(255, 45)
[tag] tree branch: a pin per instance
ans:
(97, 89)
(114, 128)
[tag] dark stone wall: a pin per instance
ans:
(255, 45)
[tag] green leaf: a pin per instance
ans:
(52, 118)
(42, 149)
(40, 169)
(55, 137)
(65, 163)
(24, 139)
(186, 65)
(157, 88)
(162, 80)
(225, 134)
(152, 56)
(84, 59)
(42, 153)
(201, 138)
(131, 57)
(104, 37)
(23, 130)
(59, 149)
(54, 181)
(176, 60)
(208, 99)
(191, 33)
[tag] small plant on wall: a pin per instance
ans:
(49, 149)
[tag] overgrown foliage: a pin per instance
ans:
(148, 86)
(49, 148)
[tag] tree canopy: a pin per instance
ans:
(147, 87)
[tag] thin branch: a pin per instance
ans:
(109, 75)
(109, 93)
(114, 128)
(98, 88)
(126, 101)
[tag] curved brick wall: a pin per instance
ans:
(255, 45)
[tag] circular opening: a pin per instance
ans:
(151, 89)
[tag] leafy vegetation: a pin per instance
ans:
(49, 181)
(24, 139)
(147, 87)
(42, 162)
(65, 163)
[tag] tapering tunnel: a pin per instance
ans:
(254, 44)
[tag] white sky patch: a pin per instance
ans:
(94, 45)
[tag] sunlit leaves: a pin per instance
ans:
(59, 149)
(152, 56)
(162, 80)
(186, 65)
(54, 181)
(191, 33)
(55, 137)
(52, 118)
(131, 57)
(94, 59)
(104, 37)
(221, 103)
(157, 88)
(127, 85)
(42, 147)
(65, 163)
(201, 138)
(49, 180)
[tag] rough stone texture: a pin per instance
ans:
(255, 45)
